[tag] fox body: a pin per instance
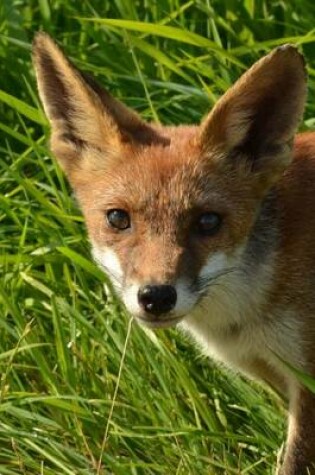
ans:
(211, 227)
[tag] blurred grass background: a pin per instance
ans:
(62, 337)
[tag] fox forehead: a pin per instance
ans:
(173, 177)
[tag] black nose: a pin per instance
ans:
(157, 299)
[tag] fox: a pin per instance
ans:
(207, 227)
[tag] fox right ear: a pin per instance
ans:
(255, 121)
(82, 114)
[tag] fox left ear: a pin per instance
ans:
(83, 116)
(255, 121)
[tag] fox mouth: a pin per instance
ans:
(158, 322)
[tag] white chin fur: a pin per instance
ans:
(156, 324)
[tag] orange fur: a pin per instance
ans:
(244, 291)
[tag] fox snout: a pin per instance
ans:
(160, 305)
(153, 297)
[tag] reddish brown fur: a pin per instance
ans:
(233, 164)
(296, 257)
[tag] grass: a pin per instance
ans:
(64, 351)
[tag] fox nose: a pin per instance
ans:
(157, 299)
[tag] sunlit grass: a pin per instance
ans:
(62, 337)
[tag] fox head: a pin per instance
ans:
(170, 209)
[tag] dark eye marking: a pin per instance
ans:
(208, 224)
(118, 219)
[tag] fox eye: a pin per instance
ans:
(118, 219)
(208, 224)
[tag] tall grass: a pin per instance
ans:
(63, 348)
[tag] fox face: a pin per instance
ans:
(170, 210)
(169, 233)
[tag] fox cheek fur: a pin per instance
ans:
(211, 226)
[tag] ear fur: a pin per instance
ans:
(257, 118)
(82, 114)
